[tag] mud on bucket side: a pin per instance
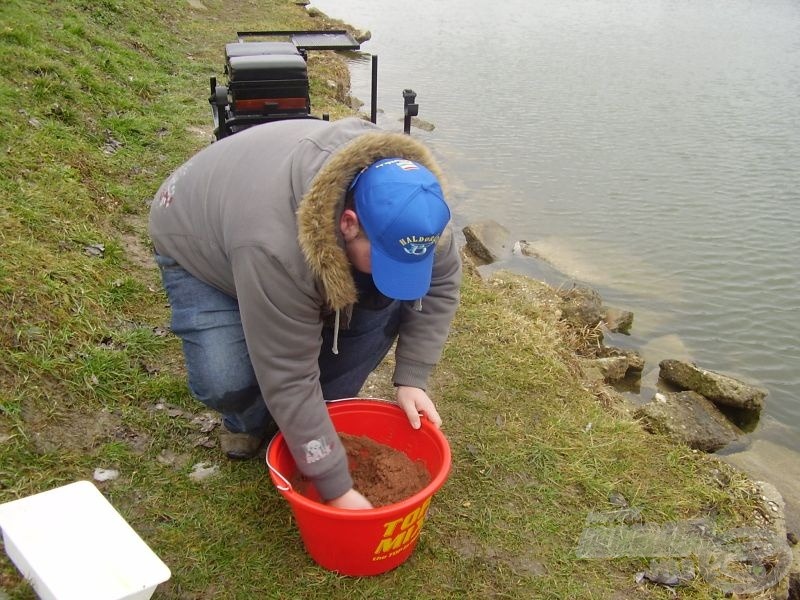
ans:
(365, 542)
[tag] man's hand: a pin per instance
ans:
(414, 401)
(351, 500)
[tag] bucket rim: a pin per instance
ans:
(437, 481)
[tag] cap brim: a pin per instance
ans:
(401, 280)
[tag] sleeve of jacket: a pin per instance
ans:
(282, 328)
(424, 332)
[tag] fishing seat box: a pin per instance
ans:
(265, 78)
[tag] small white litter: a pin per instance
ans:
(105, 474)
(70, 543)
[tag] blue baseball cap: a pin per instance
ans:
(401, 206)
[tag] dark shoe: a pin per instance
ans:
(240, 446)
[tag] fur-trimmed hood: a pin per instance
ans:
(322, 204)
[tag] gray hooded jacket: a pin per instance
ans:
(256, 215)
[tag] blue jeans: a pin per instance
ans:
(220, 373)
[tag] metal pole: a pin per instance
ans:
(410, 109)
(374, 102)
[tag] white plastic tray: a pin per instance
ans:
(71, 544)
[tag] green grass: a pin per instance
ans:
(99, 101)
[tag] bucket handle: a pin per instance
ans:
(337, 400)
(278, 474)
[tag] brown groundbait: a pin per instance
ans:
(381, 473)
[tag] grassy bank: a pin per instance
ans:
(99, 102)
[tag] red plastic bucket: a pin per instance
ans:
(365, 542)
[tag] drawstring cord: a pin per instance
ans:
(335, 348)
(337, 319)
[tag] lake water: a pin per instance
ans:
(649, 148)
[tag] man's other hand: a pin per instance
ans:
(414, 401)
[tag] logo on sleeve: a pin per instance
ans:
(317, 450)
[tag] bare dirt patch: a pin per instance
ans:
(74, 431)
(137, 249)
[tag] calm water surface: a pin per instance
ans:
(648, 148)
